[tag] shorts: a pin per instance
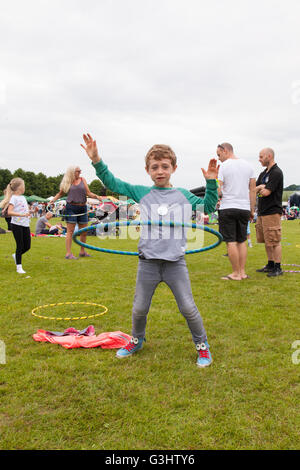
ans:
(268, 229)
(233, 224)
(72, 211)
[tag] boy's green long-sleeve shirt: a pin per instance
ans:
(161, 204)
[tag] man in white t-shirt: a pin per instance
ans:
(237, 183)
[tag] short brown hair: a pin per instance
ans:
(159, 151)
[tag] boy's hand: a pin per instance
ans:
(91, 148)
(212, 170)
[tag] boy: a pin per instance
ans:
(161, 249)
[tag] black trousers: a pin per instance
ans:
(23, 240)
(8, 219)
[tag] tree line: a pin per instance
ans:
(292, 187)
(42, 185)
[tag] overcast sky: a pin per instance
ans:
(187, 73)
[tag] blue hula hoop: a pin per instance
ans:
(135, 222)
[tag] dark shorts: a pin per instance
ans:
(233, 224)
(76, 214)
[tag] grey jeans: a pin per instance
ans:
(175, 275)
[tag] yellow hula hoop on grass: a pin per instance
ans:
(33, 312)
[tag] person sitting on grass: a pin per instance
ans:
(42, 223)
(161, 249)
(57, 229)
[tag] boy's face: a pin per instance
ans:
(160, 172)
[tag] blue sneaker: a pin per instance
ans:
(204, 358)
(131, 347)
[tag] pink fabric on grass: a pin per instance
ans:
(110, 340)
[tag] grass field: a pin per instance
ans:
(54, 398)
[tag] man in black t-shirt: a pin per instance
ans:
(269, 188)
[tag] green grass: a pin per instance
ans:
(53, 398)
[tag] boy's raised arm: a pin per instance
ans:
(212, 170)
(91, 148)
(135, 192)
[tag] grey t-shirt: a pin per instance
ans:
(41, 224)
(161, 205)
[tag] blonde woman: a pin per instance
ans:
(15, 206)
(77, 190)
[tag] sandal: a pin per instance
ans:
(229, 278)
(84, 255)
(71, 256)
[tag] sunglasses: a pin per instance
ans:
(221, 147)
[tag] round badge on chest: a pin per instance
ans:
(163, 209)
